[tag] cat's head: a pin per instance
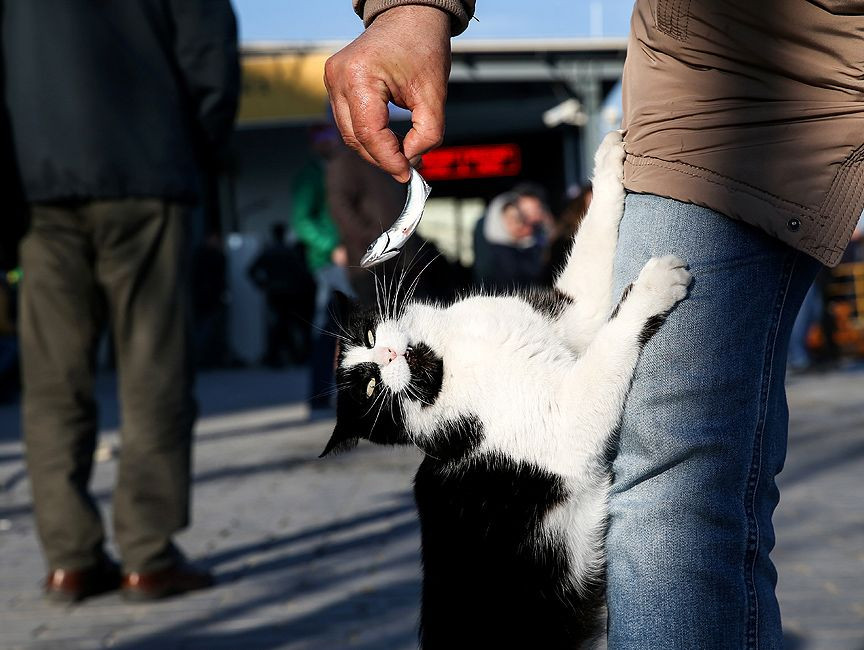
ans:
(382, 369)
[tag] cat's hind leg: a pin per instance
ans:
(595, 389)
(587, 276)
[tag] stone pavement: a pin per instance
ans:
(323, 554)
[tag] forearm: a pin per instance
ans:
(461, 11)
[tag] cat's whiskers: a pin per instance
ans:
(415, 283)
(414, 394)
(379, 396)
(335, 335)
(333, 390)
(380, 408)
(341, 327)
(406, 269)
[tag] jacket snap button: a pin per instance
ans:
(793, 224)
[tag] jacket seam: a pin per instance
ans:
(707, 174)
(673, 18)
(844, 195)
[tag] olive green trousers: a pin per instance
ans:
(122, 263)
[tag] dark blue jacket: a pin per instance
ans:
(118, 98)
(504, 268)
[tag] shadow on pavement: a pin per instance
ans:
(376, 618)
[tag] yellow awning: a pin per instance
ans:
(285, 87)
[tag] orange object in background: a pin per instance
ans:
(845, 294)
(477, 161)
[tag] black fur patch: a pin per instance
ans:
(491, 579)
(650, 328)
(358, 415)
(454, 441)
(624, 295)
(353, 321)
(651, 325)
(549, 302)
(427, 374)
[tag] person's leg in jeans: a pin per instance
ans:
(59, 327)
(142, 265)
(702, 437)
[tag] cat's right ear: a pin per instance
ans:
(341, 440)
(341, 307)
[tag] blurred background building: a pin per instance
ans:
(518, 110)
(530, 96)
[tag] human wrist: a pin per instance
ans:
(429, 14)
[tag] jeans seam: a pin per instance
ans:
(752, 549)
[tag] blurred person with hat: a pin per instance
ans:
(510, 239)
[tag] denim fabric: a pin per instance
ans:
(702, 437)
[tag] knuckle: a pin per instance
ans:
(331, 69)
(436, 137)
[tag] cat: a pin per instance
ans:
(513, 399)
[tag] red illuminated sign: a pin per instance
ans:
(480, 161)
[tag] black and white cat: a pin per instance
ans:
(513, 399)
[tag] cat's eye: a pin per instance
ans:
(370, 338)
(370, 387)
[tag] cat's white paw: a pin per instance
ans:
(662, 283)
(609, 163)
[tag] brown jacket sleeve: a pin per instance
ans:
(460, 11)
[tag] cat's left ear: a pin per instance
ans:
(341, 440)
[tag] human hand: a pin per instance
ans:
(403, 57)
(339, 256)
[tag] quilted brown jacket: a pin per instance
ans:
(753, 108)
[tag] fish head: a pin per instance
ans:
(379, 251)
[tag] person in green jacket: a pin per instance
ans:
(325, 255)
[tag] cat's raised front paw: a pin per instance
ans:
(662, 283)
(609, 164)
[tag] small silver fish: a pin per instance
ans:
(391, 240)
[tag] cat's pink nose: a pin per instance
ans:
(383, 356)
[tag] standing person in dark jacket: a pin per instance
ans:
(115, 110)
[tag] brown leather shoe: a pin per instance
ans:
(73, 585)
(176, 579)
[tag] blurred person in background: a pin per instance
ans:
(363, 201)
(8, 341)
(564, 229)
(209, 303)
(115, 109)
(810, 314)
(325, 256)
(282, 273)
(724, 102)
(510, 239)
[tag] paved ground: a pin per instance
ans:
(323, 554)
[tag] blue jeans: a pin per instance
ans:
(702, 437)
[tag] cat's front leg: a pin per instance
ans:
(587, 276)
(596, 388)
